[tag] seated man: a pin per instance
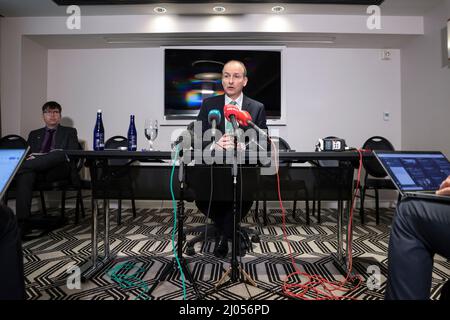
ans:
(234, 79)
(421, 229)
(51, 164)
(11, 266)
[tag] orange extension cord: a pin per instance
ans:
(316, 284)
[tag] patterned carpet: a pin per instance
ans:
(148, 238)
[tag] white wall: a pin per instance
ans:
(426, 86)
(15, 29)
(340, 92)
(34, 85)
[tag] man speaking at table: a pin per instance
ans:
(234, 79)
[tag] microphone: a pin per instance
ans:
(214, 118)
(232, 113)
(185, 138)
(245, 119)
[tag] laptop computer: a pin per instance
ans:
(416, 174)
(10, 161)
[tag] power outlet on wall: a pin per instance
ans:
(386, 116)
(386, 54)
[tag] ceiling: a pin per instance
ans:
(30, 8)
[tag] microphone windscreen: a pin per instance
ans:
(231, 110)
(243, 118)
(214, 114)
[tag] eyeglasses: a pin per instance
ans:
(52, 112)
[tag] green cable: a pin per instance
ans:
(127, 281)
(174, 204)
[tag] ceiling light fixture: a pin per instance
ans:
(160, 10)
(219, 9)
(278, 9)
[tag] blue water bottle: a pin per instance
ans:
(99, 133)
(132, 135)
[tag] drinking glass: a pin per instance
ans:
(151, 132)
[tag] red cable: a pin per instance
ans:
(316, 281)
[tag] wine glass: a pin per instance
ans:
(151, 132)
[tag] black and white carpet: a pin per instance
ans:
(50, 260)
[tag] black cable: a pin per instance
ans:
(210, 201)
(240, 231)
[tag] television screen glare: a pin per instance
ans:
(192, 75)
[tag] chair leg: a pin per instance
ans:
(265, 212)
(314, 207)
(361, 205)
(318, 210)
(63, 203)
(294, 209)
(133, 207)
(257, 211)
(119, 212)
(307, 206)
(77, 208)
(44, 208)
(377, 207)
(307, 211)
(81, 203)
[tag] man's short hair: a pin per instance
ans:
(51, 105)
(237, 61)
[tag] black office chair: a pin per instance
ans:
(287, 183)
(375, 170)
(195, 188)
(71, 183)
(120, 181)
(13, 141)
(317, 188)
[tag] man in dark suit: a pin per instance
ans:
(47, 160)
(234, 79)
(420, 229)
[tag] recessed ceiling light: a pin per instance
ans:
(278, 9)
(160, 10)
(219, 9)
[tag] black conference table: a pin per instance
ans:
(157, 164)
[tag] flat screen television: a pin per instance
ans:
(192, 75)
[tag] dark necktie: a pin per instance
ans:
(47, 144)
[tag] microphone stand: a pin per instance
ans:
(173, 266)
(235, 268)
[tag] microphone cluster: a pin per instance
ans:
(243, 117)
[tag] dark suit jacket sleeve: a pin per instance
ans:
(203, 115)
(33, 142)
(261, 117)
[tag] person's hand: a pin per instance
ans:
(226, 142)
(444, 189)
(30, 157)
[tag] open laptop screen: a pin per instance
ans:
(415, 171)
(10, 160)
